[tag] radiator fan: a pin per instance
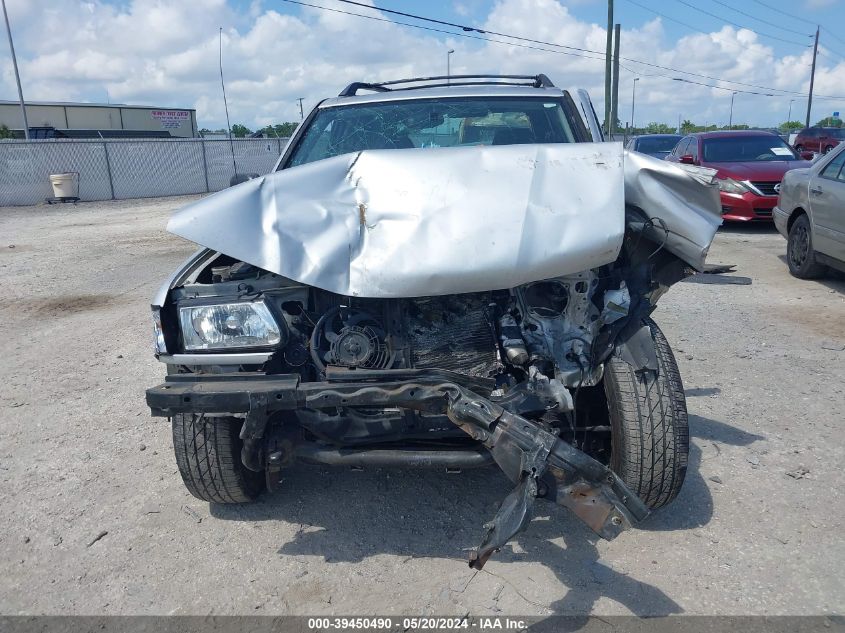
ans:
(347, 337)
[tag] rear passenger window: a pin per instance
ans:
(834, 168)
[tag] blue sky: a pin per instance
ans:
(164, 53)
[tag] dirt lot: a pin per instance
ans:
(95, 519)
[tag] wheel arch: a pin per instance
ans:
(796, 213)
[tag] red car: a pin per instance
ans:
(819, 139)
(750, 165)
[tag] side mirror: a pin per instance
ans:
(687, 159)
(807, 155)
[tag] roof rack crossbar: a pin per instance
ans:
(467, 83)
(536, 81)
(352, 89)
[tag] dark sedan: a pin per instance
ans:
(657, 145)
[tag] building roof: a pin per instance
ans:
(91, 105)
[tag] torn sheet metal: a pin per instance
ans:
(409, 223)
(684, 205)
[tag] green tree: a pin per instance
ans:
(5, 132)
(240, 130)
(659, 128)
(688, 126)
(829, 121)
(788, 126)
(282, 130)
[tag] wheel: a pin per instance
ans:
(827, 149)
(208, 453)
(649, 427)
(799, 250)
(799, 148)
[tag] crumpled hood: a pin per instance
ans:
(410, 223)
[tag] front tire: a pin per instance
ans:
(208, 454)
(649, 426)
(800, 256)
(827, 149)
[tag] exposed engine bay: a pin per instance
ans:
(539, 336)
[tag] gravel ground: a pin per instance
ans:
(95, 519)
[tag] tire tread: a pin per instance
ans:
(648, 416)
(208, 456)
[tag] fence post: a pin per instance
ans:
(108, 169)
(205, 166)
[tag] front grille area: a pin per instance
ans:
(767, 188)
(452, 332)
(767, 213)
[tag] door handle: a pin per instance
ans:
(816, 191)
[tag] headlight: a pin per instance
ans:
(729, 185)
(228, 325)
(158, 334)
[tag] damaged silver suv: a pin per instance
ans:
(440, 272)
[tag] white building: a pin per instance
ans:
(98, 119)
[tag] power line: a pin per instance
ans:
(789, 15)
(699, 83)
(740, 26)
(689, 26)
(838, 56)
(666, 17)
(598, 55)
(832, 34)
(428, 28)
(468, 28)
(748, 15)
(751, 92)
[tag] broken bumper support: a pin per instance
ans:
(541, 464)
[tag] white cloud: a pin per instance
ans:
(819, 4)
(165, 53)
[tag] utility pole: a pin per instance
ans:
(18, 77)
(812, 79)
(633, 100)
(607, 65)
(614, 104)
(449, 65)
(301, 112)
(226, 106)
(789, 116)
(731, 117)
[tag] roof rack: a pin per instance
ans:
(534, 81)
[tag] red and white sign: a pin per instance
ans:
(171, 119)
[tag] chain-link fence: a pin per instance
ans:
(119, 169)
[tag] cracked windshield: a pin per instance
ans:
(432, 123)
